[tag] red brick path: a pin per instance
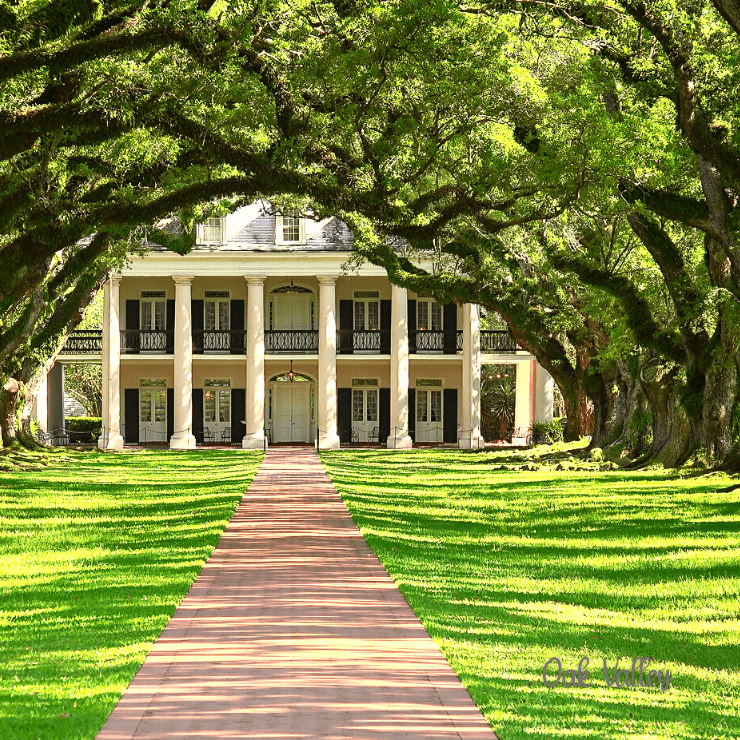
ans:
(293, 629)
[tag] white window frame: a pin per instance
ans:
(279, 235)
(429, 302)
(201, 231)
(218, 302)
(366, 297)
(217, 385)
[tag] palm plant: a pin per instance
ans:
(498, 396)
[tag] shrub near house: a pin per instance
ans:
(83, 428)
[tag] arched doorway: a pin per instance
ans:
(291, 408)
(292, 308)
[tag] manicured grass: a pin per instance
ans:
(96, 551)
(507, 569)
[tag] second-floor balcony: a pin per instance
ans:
(292, 341)
(219, 340)
(366, 341)
(432, 340)
(147, 340)
(90, 342)
(84, 342)
(495, 342)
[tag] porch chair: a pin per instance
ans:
(373, 435)
(208, 436)
(226, 435)
(355, 436)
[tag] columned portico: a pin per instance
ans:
(111, 438)
(470, 436)
(327, 386)
(254, 439)
(183, 438)
(399, 436)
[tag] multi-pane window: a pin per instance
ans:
(367, 310)
(291, 226)
(211, 232)
(364, 404)
(153, 315)
(216, 320)
(365, 399)
(217, 401)
(367, 315)
(428, 406)
(216, 313)
(428, 315)
(358, 406)
(152, 400)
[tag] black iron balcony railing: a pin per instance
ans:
(84, 342)
(425, 340)
(304, 341)
(497, 341)
(90, 341)
(219, 340)
(363, 340)
(146, 340)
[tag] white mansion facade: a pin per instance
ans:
(259, 335)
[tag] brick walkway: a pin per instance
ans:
(293, 629)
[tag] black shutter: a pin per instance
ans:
(384, 425)
(412, 414)
(449, 323)
(170, 411)
(344, 414)
(170, 346)
(346, 324)
(449, 416)
(196, 322)
(237, 325)
(198, 414)
(238, 413)
(132, 324)
(131, 409)
(385, 327)
(412, 325)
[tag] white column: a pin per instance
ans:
(327, 386)
(399, 436)
(524, 406)
(40, 405)
(183, 438)
(111, 438)
(55, 396)
(470, 436)
(254, 438)
(544, 394)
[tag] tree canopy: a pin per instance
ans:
(573, 166)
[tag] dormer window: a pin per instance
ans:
(290, 228)
(211, 232)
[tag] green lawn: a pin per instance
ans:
(507, 569)
(96, 551)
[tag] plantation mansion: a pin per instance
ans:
(260, 335)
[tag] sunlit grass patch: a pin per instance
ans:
(508, 568)
(96, 552)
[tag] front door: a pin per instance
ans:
(292, 413)
(152, 411)
(429, 425)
